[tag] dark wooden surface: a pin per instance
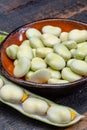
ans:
(14, 13)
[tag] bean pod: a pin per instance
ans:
(35, 106)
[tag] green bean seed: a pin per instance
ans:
(37, 63)
(22, 67)
(69, 75)
(79, 67)
(27, 76)
(64, 36)
(69, 62)
(35, 42)
(25, 51)
(59, 114)
(55, 61)
(26, 42)
(35, 106)
(56, 81)
(78, 54)
(11, 93)
(32, 32)
(49, 40)
(43, 51)
(78, 35)
(51, 30)
(54, 73)
(40, 76)
(11, 51)
(62, 51)
(70, 44)
(82, 44)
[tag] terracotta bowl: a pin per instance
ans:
(17, 36)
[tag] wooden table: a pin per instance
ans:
(14, 13)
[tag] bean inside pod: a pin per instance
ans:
(35, 106)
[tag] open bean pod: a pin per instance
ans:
(35, 106)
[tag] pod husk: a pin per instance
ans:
(44, 119)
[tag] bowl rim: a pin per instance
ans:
(34, 84)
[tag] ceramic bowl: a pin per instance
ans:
(17, 36)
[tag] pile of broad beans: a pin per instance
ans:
(50, 56)
(35, 106)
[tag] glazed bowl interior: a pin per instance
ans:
(18, 36)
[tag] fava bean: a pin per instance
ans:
(11, 93)
(37, 63)
(37, 107)
(32, 32)
(78, 54)
(78, 35)
(40, 76)
(26, 42)
(70, 62)
(27, 76)
(22, 67)
(35, 42)
(51, 30)
(79, 67)
(70, 44)
(43, 51)
(54, 73)
(64, 36)
(11, 51)
(25, 51)
(62, 51)
(69, 75)
(56, 81)
(82, 44)
(62, 115)
(55, 61)
(49, 40)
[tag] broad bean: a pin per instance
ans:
(69, 75)
(62, 115)
(64, 36)
(25, 51)
(78, 35)
(11, 93)
(51, 30)
(55, 61)
(55, 73)
(49, 40)
(43, 51)
(21, 67)
(37, 63)
(70, 44)
(11, 51)
(40, 76)
(62, 51)
(35, 106)
(79, 67)
(32, 32)
(35, 42)
(56, 81)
